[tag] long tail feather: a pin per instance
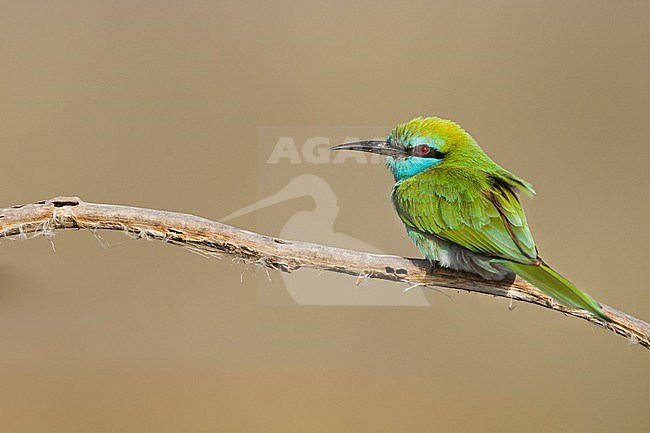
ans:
(556, 286)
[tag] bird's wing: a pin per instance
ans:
(470, 208)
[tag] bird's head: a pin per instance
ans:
(420, 144)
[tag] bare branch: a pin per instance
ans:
(214, 238)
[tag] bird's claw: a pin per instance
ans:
(432, 267)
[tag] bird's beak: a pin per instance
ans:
(371, 146)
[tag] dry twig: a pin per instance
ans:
(214, 238)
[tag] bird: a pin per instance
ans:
(461, 209)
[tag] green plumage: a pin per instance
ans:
(468, 207)
(461, 209)
(556, 286)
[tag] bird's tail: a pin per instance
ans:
(556, 286)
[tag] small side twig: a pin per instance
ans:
(214, 238)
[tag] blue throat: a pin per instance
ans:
(404, 168)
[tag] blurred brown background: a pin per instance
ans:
(158, 104)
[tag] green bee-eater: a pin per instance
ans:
(460, 208)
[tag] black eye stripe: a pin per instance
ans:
(433, 153)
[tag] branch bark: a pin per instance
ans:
(213, 238)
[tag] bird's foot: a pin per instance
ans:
(432, 267)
